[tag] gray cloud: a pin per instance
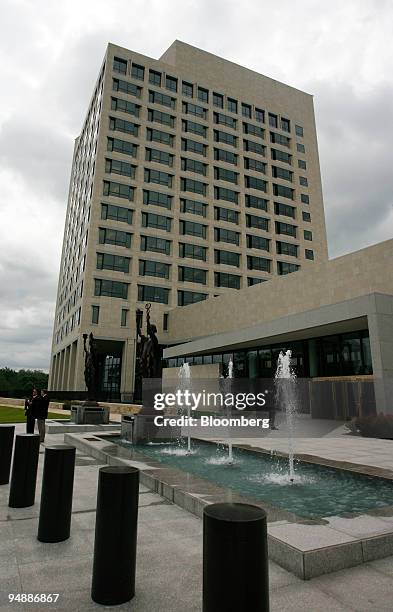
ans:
(340, 52)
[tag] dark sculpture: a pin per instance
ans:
(148, 352)
(91, 367)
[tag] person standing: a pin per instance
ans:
(42, 414)
(31, 408)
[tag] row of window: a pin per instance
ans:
(189, 90)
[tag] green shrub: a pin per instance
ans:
(375, 426)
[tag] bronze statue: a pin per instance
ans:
(148, 352)
(90, 367)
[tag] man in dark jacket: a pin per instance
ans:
(31, 410)
(42, 414)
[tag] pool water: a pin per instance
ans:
(317, 491)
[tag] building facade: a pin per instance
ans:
(192, 178)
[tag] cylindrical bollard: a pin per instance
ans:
(235, 561)
(24, 470)
(6, 443)
(115, 535)
(56, 493)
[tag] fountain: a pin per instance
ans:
(230, 449)
(286, 394)
(185, 377)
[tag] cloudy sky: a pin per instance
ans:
(50, 56)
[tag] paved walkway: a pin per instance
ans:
(169, 568)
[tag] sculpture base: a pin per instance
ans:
(89, 414)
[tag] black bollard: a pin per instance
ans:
(6, 443)
(115, 535)
(235, 561)
(56, 494)
(24, 470)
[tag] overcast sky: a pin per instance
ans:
(340, 51)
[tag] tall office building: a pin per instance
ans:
(192, 177)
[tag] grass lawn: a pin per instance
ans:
(12, 414)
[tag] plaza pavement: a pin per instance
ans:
(169, 560)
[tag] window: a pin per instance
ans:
(194, 128)
(192, 275)
(283, 192)
(223, 279)
(156, 221)
(156, 176)
(254, 281)
(300, 147)
(260, 115)
(281, 156)
(116, 213)
(125, 106)
(165, 321)
(286, 248)
(193, 251)
(286, 229)
(273, 120)
(194, 109)
(118, 190)
(246, 110)
(119, 65)
(224, 137)
(304, 198)
(306, 216)
(156, 97)
(226, 214)
(309, 254)
(159, 136)
(299, 131)
(189, 228)
(225, 235)
(282, 173)
(258, 242)
(117, 263)
(257, 222)
(284, 267)
(218, 100)
(124, 317)
(95, 314)
(254, 164)
(221, 193)
(225, 156)
(137, 72)
(187, 89)
(193, 186)
(115, 237)
(232, 105)
(158, 156)
(189, 297)
(255, 183)
(253, 130)
(171, 83)
(302, 164)
(222, 119)
(114, 166)
(258, 263)
(110, 288)
(127, 88)
(193, 165)
(122, 146)
(193, 207)
(153, 268)
(222, 174)
(156, 245)
(155, 77)
(160, 117)
(229, 258)
(303, 181)
(256, 202)
(285, 125)
(203, 94)
(123, 126)
(280, 139)
(284, 209)
(193, 146)
(157, 199)
(147, 293)
(254, 147)
(307, 235)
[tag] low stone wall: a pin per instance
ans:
(114, 408)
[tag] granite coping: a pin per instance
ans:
(306, 547)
